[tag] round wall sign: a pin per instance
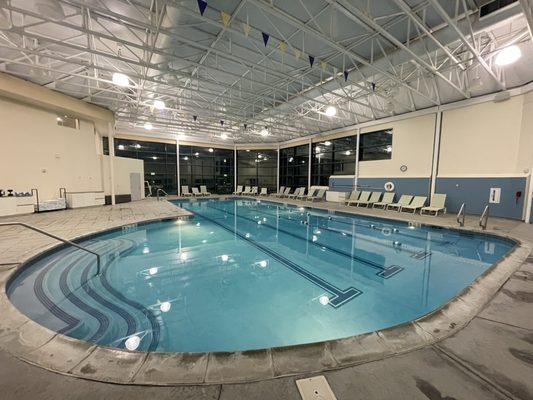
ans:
(403, 168)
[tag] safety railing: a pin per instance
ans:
(461, 215)
(98, 257)
(149, 187)
(484, 220)
(165, 194)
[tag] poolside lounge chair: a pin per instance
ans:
(295, 194)
(302, 195)
(388, 198)
(203, 190)
(310, 193)
(263, 192)
(254, 191)
(185, 191)
(286, 193)
(247, 190)
(239, 190)
(374, 198)
(405, 200)
(417, 203)
(436, 204)
(279, 193)
(354, 196)
(318, 196)
(363, 197)
(196, 192)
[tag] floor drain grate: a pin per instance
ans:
(315, 388)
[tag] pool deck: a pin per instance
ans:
(478, 347)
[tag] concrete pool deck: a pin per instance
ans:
(487, 353)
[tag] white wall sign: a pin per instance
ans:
(495, 194)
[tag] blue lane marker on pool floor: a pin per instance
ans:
(339, 296)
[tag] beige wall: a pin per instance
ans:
(38, 153)
(482, 139)
(123, 167)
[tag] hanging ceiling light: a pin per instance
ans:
(331, 111)
(508, 55)
(51, 9)
(148, 126)
(121, 79)
(159, 104)
(224, 136)
(264, 131)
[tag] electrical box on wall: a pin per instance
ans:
(495, 194)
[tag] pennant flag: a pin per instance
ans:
(222, 122)
(195, 117)
(311, 60)
(323, 65)
(346, 72)
(297, 53)
(246, 28)
(373, 86)
(266, 36)
(202, 5)
(282, 46)
(245, 126)
(225, 18)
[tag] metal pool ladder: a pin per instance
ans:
(461, 215)
(98, 257)
(483, 221)
(165, 194)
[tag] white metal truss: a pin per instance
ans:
(219, 80)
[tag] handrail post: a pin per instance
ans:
(98, 257)
(461, 215)
(484, 220)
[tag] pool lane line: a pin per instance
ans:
(339, 298)
(156, 329)
(384, 272)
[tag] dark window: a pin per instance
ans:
(257, 168)
(294, 166)
(376, 146)
(211, 167)
(494, 6)
(333, 157)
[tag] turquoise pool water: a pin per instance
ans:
(244, 274)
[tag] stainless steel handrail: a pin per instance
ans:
(461, 213)
(98, 257)
(159, 191)
(147, 184)
(484, 220)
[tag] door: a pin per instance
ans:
(135, 186)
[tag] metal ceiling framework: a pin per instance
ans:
(218, 78)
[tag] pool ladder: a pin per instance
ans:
(165, 194)
(98, 257)
(483, 221)
(461, 215)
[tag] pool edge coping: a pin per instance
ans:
(30, 342)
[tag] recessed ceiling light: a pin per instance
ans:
(159, 104)
(224, 136)
(121, 79)
(331, 111)
(148, 126)
(508, 55)
(264, 132)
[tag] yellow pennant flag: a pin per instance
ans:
(323, 65)
(225, 18)
(297, 53)
(282, 46)
(246, 28)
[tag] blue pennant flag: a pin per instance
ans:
(266, 36)
(202, 5)
(311, 60)
(346, 75)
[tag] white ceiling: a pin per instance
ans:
(402, 56)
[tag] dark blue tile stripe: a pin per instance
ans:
(339, 297)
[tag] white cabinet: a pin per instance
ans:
(85, 199)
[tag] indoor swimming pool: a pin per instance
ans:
(244, 274)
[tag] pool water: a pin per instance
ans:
(244, 274)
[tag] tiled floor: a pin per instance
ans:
(492, 358)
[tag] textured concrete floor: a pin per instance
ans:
(492, 358)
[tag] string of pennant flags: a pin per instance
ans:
(282, 46)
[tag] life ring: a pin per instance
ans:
(388, 186)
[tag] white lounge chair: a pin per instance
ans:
(264, 192)
(302, 195)
(279, 193)
(296, 193)
(365, 195)
(318, 196)
(415, 205)
(185, 191)
(196, 192)
(388, 198)
(310, 193)
(354, 196)
(405, 200)
(203, 191)
(374, 198)
(239, 190)
(437, 203)
(286, 193)
(254, 191)
(247, 191)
